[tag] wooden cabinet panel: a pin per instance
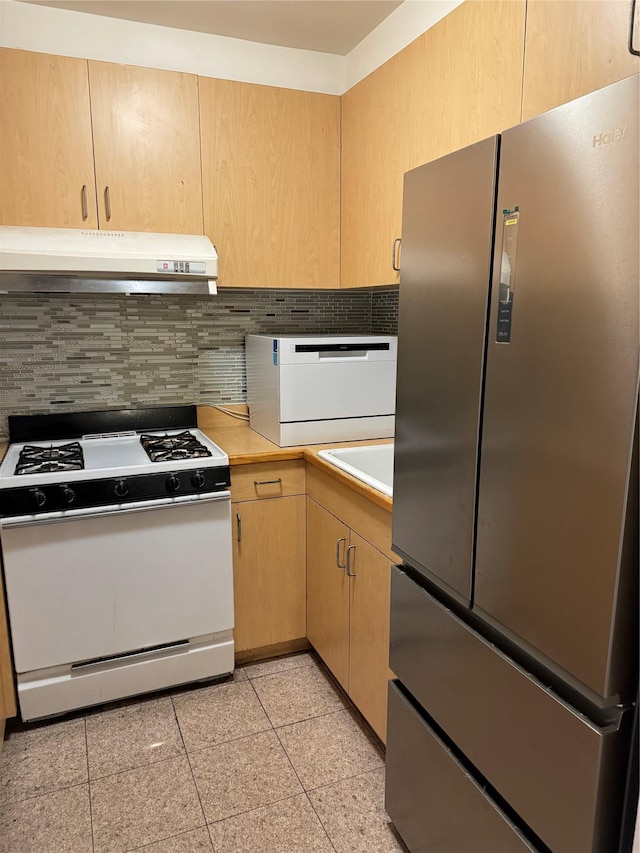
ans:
(267, 480)
(573, 47)
(7, 693)
(46, 149)
(375, 139)
(269, 572)
(466, 77)
(353, 509)
(146, 144)
(348, 616)
(459, 82)
(271, 183)
(327, 590)
(369, 635)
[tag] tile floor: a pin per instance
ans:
(272, 761)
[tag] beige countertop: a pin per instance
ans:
(244, 446)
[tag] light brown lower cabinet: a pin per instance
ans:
(348, 593)
(328, 590)
(269, 578)
(7, 695)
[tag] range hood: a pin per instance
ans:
(69, 260)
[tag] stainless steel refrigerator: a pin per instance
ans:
(514, 614)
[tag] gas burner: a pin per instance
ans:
(43, 460)
(165, 448)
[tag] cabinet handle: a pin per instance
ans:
(350, 574)
(632, 25)
(107, 202)
(394, 253)
(85, 206)
(238, 528)
(267, 482)
(338, 563)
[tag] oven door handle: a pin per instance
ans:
(108, 511)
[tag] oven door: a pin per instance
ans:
(87, 584)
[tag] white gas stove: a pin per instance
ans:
(116, 542)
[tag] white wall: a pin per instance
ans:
(403, 25)
(60, 31)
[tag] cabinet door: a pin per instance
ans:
(271, 184)
(369, 638)
(458, 83)
(147, 152)
(46, 153)
(328, 590)
(374, 144)
(269, 579)
(466, 78)
(572, 48)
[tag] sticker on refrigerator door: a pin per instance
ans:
(510, 222)
(275, 351)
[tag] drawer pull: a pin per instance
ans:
(338, 563)
(267, 482)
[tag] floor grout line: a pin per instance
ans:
(43, 794)
(86, 746)
(139, 767)
(344, 779)
(304, 791)
(324, 829)
(314, 717)
(176, 699)
(195, 784)
(257, 808)
(204, 826)
(280, 671)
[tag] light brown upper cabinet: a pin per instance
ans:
(459, 82)
(271, 184)
(46, 155)
(147, 153)
(573, 47)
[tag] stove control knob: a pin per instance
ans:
(121, 488)
(38, 498)
(68, 495)
(173, 483)
(198, 480)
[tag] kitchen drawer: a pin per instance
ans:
(435, 805)
(267, 480)
(556, 769)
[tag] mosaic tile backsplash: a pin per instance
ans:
(69, 352)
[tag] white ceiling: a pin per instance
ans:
(329, 26)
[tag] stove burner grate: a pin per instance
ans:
(44, 460)
(166, 448)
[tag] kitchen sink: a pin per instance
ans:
(372, 463)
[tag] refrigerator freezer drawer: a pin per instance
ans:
(435, 805)
(556, 769)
